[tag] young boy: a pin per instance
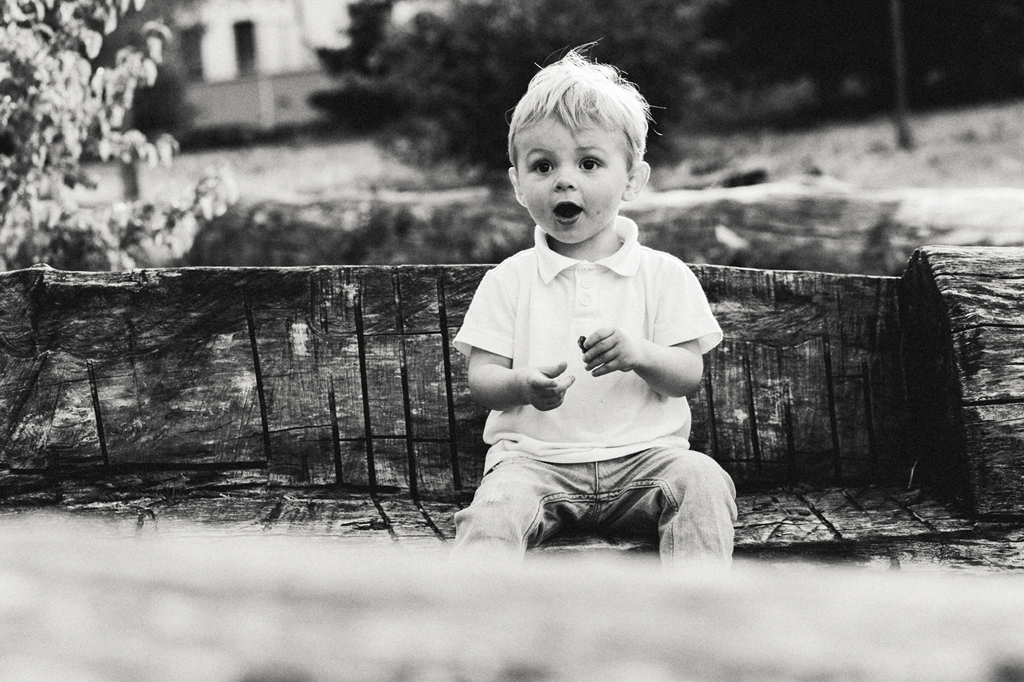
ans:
(585, 346)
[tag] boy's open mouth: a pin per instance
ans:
(567, 212)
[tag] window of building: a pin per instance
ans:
(191, 40)
(245, 47)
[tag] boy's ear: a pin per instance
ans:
(638, 178)
(513, 175)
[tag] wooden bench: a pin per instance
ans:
(290, 399)
(177, 381)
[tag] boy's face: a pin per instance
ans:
(573, 184)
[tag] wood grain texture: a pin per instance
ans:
(807, 384)
(964, 353)
(347, 376)
(821, 523)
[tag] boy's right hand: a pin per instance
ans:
(545, 387)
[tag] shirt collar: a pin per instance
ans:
(625, 261)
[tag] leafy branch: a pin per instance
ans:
(58, 110)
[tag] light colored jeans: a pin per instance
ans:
(683, 496)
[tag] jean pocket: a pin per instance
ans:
(506, 460)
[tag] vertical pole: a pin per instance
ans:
(130, 185)
(904, 138)
(265, 100)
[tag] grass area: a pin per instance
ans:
(304, 169)
(970, 147)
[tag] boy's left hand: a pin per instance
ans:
(609, 349)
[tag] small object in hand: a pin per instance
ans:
(582, 341)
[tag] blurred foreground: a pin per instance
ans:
(81, 604)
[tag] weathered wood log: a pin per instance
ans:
(805, 386)
(816, 224)
(80, 607)
(864, 526)
(825, 225)
(964, 336)
(347, 376)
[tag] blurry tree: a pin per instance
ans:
(456, 69)
(964, 51)
(451, 74)
(159, 107)
(840, 47)
(956, 51)
(362, 101)
(369, 21)
(56, 110)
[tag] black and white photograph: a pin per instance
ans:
(511, 340)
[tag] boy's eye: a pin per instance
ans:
(589, 164)
(542, 167)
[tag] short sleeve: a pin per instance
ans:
(682, 312)
(489, 323)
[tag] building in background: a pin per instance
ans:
(252, 63)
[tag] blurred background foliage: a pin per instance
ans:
(62, 102)
(87, 83)
(443, 82)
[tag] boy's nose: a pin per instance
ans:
(564, 181)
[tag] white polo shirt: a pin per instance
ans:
(534, 306)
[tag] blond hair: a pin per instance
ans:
(584, 94)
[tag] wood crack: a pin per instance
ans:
(755, 439)
(364, 382)
(449, 390)
(821, 517)
(833, 418)
(410, 449)
(712, 427)
(994, 401)
(251, 322)
(332, 405)
(986, 325)
(917, 517)
(430, 522)
(384, 517)
(97, 413)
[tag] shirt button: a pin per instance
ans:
(584, 300)
(585, 283)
